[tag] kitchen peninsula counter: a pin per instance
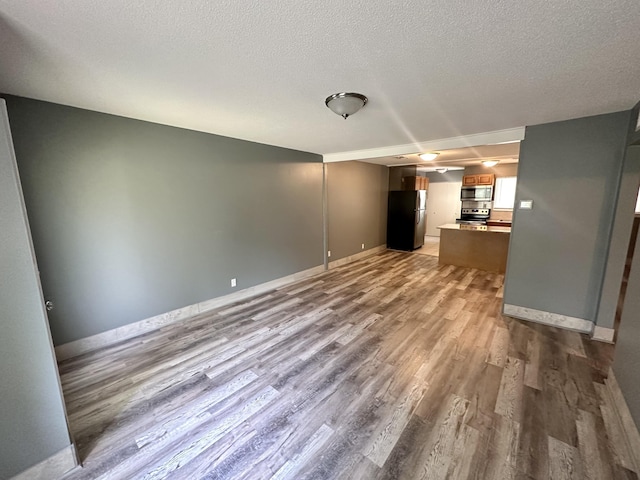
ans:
(476, 246)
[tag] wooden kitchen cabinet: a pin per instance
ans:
(486, 179)
(469, 180)
(478, 179)
(415, 183)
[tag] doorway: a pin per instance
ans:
(623, 254)
(627, 266)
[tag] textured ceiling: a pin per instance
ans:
(261, 70)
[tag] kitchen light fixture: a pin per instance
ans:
(428, 156)
(346, 104)
(490, 163)
(442, 170)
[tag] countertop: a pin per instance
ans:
(500, 223)
(475, 228)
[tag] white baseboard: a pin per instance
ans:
(356, 256)
(131, 330)
(630, 429)
(53, 467)
(547, 318)
(603, 334)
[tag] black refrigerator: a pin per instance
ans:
(406, 221)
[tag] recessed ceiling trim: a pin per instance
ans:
(487, 138)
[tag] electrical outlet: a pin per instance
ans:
(329, 253)
(363, 246)
(233, 282)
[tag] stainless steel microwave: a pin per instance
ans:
(478, 193)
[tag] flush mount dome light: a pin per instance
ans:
(345, 104)
(490, 163)
(428, 156)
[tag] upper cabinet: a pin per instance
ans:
(486, 179)
(415, 183)
(469, 180)
(478, 179)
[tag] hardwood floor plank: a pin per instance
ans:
(482, 398)
(564, 461)
(533, 447)
(499, 346)
(509, 401)
(356, 330)
(502, 452)
(591, 454)
(580, 378)
(212, 434)
(621, 453)
(462, 460)
(442, 446)
(324, 341)
(385, 437)
(532, 364)
(572, 343)
(194, 410)
(132, 372)
(291, 467)
(105, 440)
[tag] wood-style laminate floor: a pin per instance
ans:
(388, 368)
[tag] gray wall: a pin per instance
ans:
(558, 249)
(453, 176)
(131, 219)
(357, 195)
(32, 418)
(621, 231)
(626, 362)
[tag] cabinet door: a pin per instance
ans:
(485, 178)
(470, 180)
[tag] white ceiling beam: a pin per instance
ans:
(487, 138)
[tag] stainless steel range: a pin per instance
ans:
(474, 216)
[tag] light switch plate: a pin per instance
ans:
(526, 204)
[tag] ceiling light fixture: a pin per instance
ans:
(442, 170)
(428, 156)
(346, 104)
(489, 163)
